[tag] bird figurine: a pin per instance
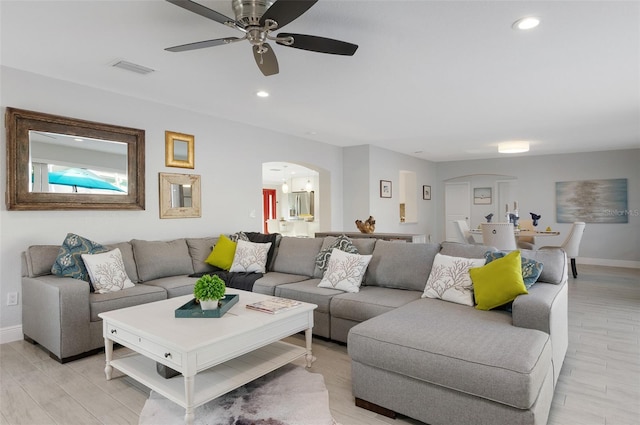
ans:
(489, 217)
(535, 217)
(367, 226)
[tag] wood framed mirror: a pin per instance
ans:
(180, 195)
(62, 163)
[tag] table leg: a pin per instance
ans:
(189, 385)
(309, 356)
(108, 352)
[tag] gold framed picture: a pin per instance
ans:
(179, 150)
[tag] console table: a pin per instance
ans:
(394, 237)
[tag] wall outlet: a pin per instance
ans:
(12, 298)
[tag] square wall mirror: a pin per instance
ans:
(179, 150)
(180, 196)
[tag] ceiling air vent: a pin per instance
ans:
(129, 66)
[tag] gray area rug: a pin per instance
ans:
(287, 396)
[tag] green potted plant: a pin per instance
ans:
(208, 290)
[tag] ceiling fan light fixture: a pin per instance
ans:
(526, 23)
(517, 146)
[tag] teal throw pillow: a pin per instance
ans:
(531, 269)
(69, 261)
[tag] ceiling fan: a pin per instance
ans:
(257, 19)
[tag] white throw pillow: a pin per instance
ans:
(250, 257)
(449, 279)
(107, 271)
(345, 271)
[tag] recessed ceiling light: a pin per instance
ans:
(517, 146)
(262, 93)
(77, 139)
(526, 23)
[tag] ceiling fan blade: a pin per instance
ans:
(203, 44)
(285, 11)
(266, 61)
(202, 11)
(319, 44)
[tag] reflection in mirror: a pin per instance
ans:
(67, 164)
(180, 150)
(301, 205)
(181, 196)
(62, 163)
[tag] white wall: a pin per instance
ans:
(608, 244)
(228, 156)
(364, 167)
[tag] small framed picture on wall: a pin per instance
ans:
(426, 192)
(482, 196)
(385, 189)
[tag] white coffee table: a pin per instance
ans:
(225, 353)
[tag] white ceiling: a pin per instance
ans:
(449, 79)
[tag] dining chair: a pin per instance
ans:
(273, 226)
(526, 242)
(499, 235)
(571, 244)
(464, 232)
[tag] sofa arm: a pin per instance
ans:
(55, 314)
(545, 308)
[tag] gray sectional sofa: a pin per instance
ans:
(432, 360)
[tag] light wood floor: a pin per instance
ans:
(599, 383)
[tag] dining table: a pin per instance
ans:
(523, 233)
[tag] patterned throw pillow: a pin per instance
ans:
(239, 236)
(345, 271)
(343, 243)
(449, 279)
(531, 269)
(107, 271)
(69, 261)
(250, 257)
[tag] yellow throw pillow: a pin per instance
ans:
(222, 254)
(498, 282)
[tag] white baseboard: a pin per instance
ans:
(10, 334)
(628, 264)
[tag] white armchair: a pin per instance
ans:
(571, 244)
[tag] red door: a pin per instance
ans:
(268, 206)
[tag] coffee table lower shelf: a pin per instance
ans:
(215, 381)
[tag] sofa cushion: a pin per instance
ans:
(449, 279)
(38, 260)
(309, 292)
(107, 271)
(345, 271)
(222, 254)
(126, 249)
(531, 269)
(401, 265)
(370, 302)
(174, 286)
(69, 261)
(554, 261)
(250, 257)
(156, 259)
(297, 255)
(498, 282)
(457, 249)
(267, 283)
(139, 294)
(199, 250)
(458, 347)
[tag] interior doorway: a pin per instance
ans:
(268, 207)
(457, 201)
